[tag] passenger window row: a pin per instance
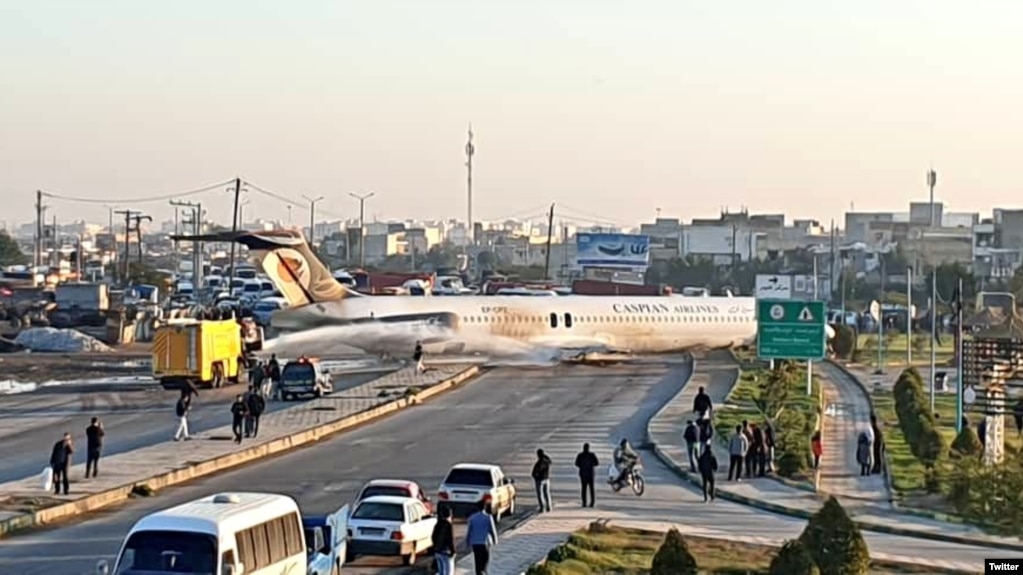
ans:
(270, 542)
(568, 319)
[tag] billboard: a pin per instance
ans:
(773, 287)
(620, 250)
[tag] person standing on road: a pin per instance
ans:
(755, 463)
(702, 404)
(587, 463)
(60, 460)
(93, 445)
(879, 445)
(238, 411)
(708, 465)
(737, 448)
(182, 408)
(274, 370)
(864, 453)
(542, 480)
(256, 406)
(481, 535)
(706, 431)
(444, 543)
(692, 436)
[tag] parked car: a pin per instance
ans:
(390, 526)
(469, 483)
(397, 488)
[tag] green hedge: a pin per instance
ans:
(917, 422)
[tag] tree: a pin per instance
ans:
(793, 559)
(673, 557)
(845, 341)
(10, 253)
(834, 542)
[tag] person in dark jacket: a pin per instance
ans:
(238, 410)
(274, 371)
(692, 437)
(587, 463)
(751, 448)
(706, 431)
(702, 404)
(864, 453)
(255, 404)
(93, 445)
(769, 445)
(542, 480)
(60, 460)
(444, 543)
(708, 465)
(758, 450)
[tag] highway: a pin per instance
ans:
(134, 415)
(502, 417)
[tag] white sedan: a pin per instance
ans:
(390, 526)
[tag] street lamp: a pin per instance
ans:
(362, 230)
(312, 218)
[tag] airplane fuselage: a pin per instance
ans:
(642, 325)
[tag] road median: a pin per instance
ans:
(24, 506)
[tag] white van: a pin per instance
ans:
(223, 534)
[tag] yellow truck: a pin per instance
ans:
(200, 353)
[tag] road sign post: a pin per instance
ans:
(789, 329)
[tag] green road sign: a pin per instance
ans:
(791, 329)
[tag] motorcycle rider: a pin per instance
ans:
(625, 459)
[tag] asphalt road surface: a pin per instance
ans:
(502, 418)
(134, 416)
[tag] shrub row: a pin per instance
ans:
(988, 495)
(917, 423)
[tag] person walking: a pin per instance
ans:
(542, 480)
(864, 453)
(481, 535)
(708, 465)
(706, 431)
(417, 356)
(692, 437)
(255, 404)
(274, 370)
(60, 460)
(182, 408)
(759, 449)
(756, 439)
(702, 404)
(817, 447)
(879, 446)
(238, 411)
(93, 445)
(587, 463)
(443, 538)
(737, 448)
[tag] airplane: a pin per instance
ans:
(588, 326)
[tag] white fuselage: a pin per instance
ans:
(635, 324)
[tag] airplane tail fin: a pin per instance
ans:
(289, 262)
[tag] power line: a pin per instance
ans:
(160, 198)
(288, 201)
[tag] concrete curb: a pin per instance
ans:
(231, 460)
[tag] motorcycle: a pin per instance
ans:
(633, 479)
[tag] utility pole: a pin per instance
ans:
(932, 180)
(234, 227)
(312, 218)
(470, 151)
(547, 256)
(831, 269)
(196, 222)
(957, 303)
(39, 233)
(880, 319)
(909, 318)
(934, 330)
(128, 214)
(138, 231)
(362, 224)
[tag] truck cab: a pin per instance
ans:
(304, 376)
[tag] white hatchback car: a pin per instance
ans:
(385, 525)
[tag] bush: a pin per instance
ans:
(793, 559)
(562, 553)
(967, 444)
(917, 421)
(541, 569)
(834, 542)
(673, 557)
(844, 343)
(990, 495)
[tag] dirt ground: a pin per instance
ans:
(42, 367)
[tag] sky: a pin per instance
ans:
(611, 109)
